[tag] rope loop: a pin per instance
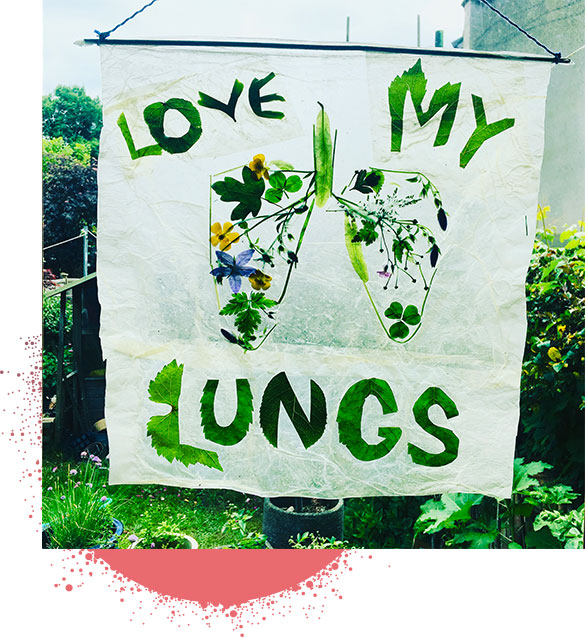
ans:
(102, 35)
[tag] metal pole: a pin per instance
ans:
(418, 30)
(85, 251)
(438, 38)
(347, 29)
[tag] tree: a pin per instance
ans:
(73, 115)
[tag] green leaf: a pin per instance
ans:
(293, 184)
(447, 513)
(354, 250)
(323, 155)
(237, 303)
(283, 166)
(163, 430)
(248, 193)
(524, 474)
(369, 181)
(234, 432)
(394, 311)
(273, 195)
(477, 539)
(259, 300)
(247, 321)
(277, 180)
(541, 539)
(411, 316)
(399, 330)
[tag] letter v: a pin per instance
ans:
(230, 108)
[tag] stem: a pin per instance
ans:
(210, 247)
(376, 310)
(263, 340)
(304, 228)
(229, 171)
(422, 309)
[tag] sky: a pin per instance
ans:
(389, 22)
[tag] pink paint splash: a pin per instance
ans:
(221, 577)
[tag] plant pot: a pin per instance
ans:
(184, 542)
(281, 524)
(112, 543)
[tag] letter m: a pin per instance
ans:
(415, 82)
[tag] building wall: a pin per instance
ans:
(560, 25)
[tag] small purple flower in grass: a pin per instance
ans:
(49, 489)
(103, 499)
(83, 454)
(132, 538)
(54, 469)
(152, 546)
(62, 498)
(234, 269)
(73, 472)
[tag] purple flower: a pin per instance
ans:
(132, 538)
(384, 273)
(49, 489)
(62, 498)
(234, 269)
(103, 499)
(73, 472)
(54, 469)
(152, 546)
(83, 454)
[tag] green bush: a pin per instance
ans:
(51, 313)
(552, 401)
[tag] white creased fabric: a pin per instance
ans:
(159, 301)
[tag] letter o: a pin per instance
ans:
(154, 115)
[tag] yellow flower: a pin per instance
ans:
(260, 281)
(223, 237)
(258, 167)
(554, 354)
(541, 213)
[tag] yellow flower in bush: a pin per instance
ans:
(260, 281)
(258, 167)
(223, 236)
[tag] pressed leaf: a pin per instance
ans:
(293, 184)
(163, 430)
(273, 195)
(394, 311)
(411, 316)
(399, 330)
(248, 193)
(369, 181)
(323, 152)
(277, 180)
(354, 250)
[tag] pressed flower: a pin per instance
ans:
(234, 268)
(258, 166)
(223, 236)
(384, 273)
(260, 281)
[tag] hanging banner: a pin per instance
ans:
(311, 267)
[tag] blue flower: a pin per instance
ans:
(234, 269)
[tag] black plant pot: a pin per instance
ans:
(280, 524)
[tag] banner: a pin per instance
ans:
(311, 267)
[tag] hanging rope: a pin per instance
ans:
(557, 56)
(63, 242)
(102, 35)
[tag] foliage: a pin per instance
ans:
(381, 522)
(76, 506)
(157, 534)
(73, 115)
(69, 204)
(308, 540)
(55, 149)
(552, 397)
(247, 312)
(537, 515)
(51, 313)
(237, 521)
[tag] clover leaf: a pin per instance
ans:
(368, 181)
(280, 184)
(248, 193)
(402, 317)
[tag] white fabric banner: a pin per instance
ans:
(311, 267)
